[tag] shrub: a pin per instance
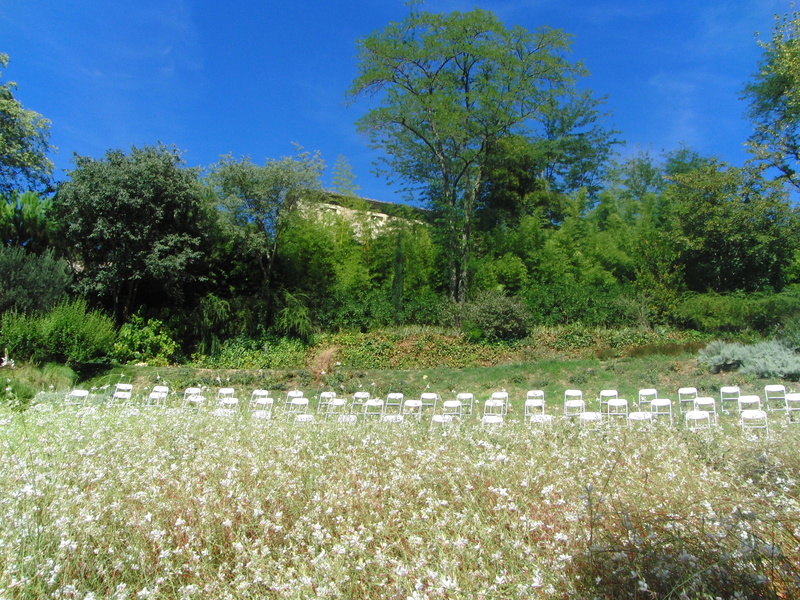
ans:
(767, 360)
(738, 312)
(69, 334)
(31, 282)
(145, 341)
(494, 317)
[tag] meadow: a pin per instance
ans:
(134, 502)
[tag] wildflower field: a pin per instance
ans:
(131, 502)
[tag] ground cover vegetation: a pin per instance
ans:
(531, 255)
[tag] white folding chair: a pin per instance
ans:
(467, 400)
(158, 396)
(749, 402)
(534, 403)
(792, 405)
(394, 400)
(262, 403)
(605, 396)
(429, 399)
(291, 395)
(412, 408)
(573, 403)
(617, 407)
(76, 398)
(697, 419)
(686, 396)
(640, 418)
(373, 408)
(706, 404)
(498, 403)
(728, 393)
(122, 393)
(754, 419)
(541, 420)
(661, 407)
(297, 406)
(358, 401)
(193, 398)
(227, 400)
(646, 396)
(324, 400)
(590, 419)
(774, 394)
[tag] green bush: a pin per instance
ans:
(766, 360)
(265, 353)
(738, 312)
(31, 282)
(494, 317)
(145, 341)
(68, 334)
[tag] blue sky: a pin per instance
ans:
(253, 77)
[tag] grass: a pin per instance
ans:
(128, 502)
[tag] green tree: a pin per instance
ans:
(451, 86)
(24, 143)
(260, 199)
(774, 101)
(737, 230)
(25, 221)
(31, 282)
(131, 223)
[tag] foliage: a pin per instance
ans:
(24, 143)
(264, 353)
(739, 312)
(773, 97)
(451, 86)
(258, 199)
(767, 360)
(737, 229)
(25, 222)
(495, 317)
(31, 282)
(145, 341)
(135, 224)
(294, 318)
(68, 334)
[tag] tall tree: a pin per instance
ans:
(24, 143)
(774, 101)
(260, 199)
(451, 86)
(132, 222)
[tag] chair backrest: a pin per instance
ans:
(774, 390)
(360, 396)
(648, 394)
(225, 392)
(293, 394)
(394, 397)
(573, 395)
(123, 387)
(729, 391)
(192, 391)
(499, 395)
(606, 394)
(465, 397)
(687, 393)
(161, 389)
(326, 396)
(535, 395)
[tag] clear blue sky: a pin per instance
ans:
(251, 77)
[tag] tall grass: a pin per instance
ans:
(133, 503)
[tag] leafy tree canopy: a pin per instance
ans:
(129, 219)
(450, 86)
(24, 143)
